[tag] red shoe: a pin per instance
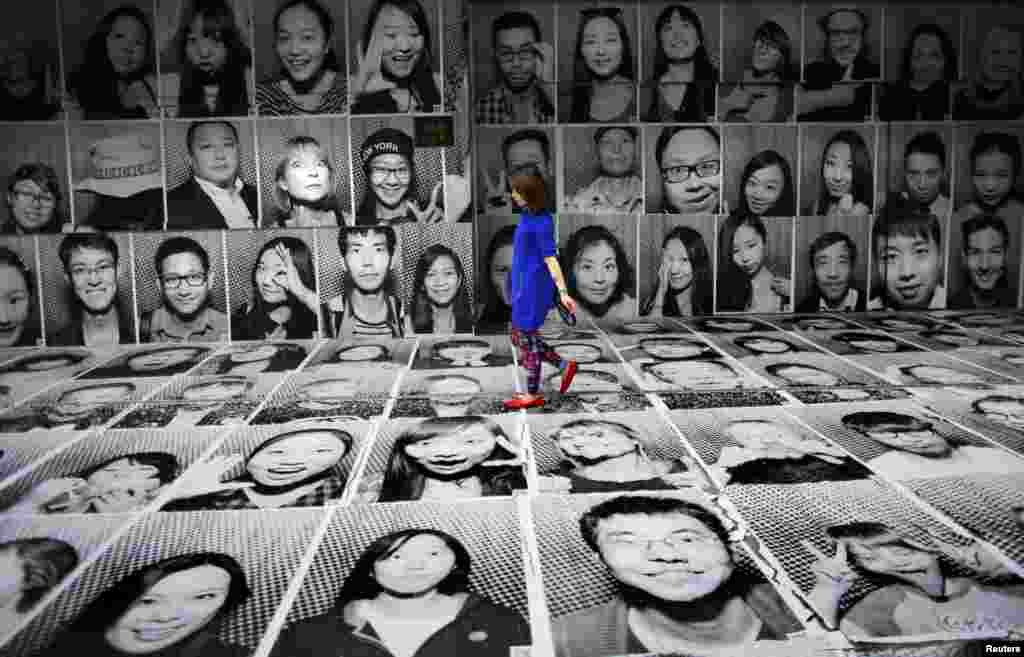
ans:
(567, 376)
(520, 403)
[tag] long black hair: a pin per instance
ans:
(785, 206)
(421, 83)
(582, 89)
(257, 308)
(580, 241)
(700, 263)
(495, 310)
(217, 22)
(703, 69)
(422, 308)
(735, 290)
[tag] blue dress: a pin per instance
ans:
(531, 286)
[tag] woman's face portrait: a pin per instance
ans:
(307, 177)
(442, 281)
(891, 558)
(272, 277)
(361, 354)
(205, 52)
(1001, 55)
(161, 359)
(768, 345)
(694, 194)
(172, 610)
(616, 152)
(748, 250)
(501, 265)
(123, 485)
(402, 43)
(15, 305)
(596, 272)
(295, 458)
(301, 43)
(927, 62)
(126, 45)
(763, 188)
(837, 169)
(329, 389)
(390, 178)
(214, 391)
(419, 565)
(766, 56)
(593, 444)
(676, 259)
(992, 177)
(254, 354)
(601, 47)
(32, 206)
(453, 453)
(679, 39)
(807, 376)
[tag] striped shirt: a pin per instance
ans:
(272, 100)
(345, 323)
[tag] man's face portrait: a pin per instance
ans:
(516, 56)
(213, 154)
(367, 260)
(910, 269)
(833, 272)
(186, 283)
(805, 375)
(923, 441)
(79, 402)
(390, 178)
(593, 443)
(845, 33)
(671, 557)
(694, 373)
(688, 154)
(616, 153)
(923, 177)
(985, 258)
(159, 359)
(93, 277)
(672, 348)
(526, 152)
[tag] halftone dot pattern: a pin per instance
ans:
(16, 452)
(732, 343)
(332, 134)
(888, 366)
(705, 430)
(657, 439)
(422, 407)
(489, 530)
(326, 356)
(368, 382)
(426, 161)
(582, 164)
(289, 412)
(176, 156)
(573, 576)
(86, 535)
(331, 267)
(827, 420)
(172, 392)
(958, 406)
(721, 399)
(147, 283)
(268, 545)
(848, 374)
(825, 396)
(134, 390)
(391, 430)
(185, 446)
(983, 506)
(427, 357)
(783, 515)
(492, 380)
(300, 350)
(243, 247)
(457, 237)
(118, 365)
(993, 359)
(58, 296)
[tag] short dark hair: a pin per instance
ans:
(999, 142)
(825, 240)
(926, 143)
(180, 244)
(167, 465)
(632, 505)
(86, 240)
(365, 231)
(981, 222)
(667, 133)
(901, 219)
(529, 134)
(950, 68)
(823, 21)
(195, 125)
(512, 20)
(39, 173)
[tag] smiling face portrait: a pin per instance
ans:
(154, 360)
(213, 153)
(295, 457)
(464, 351)
(302, 42)
(693, 373)
(691, 170)
(448, 454)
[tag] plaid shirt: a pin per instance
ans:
(330, 489)
(495, 107)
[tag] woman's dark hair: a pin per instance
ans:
(217, 21)
(422, 309)
(773, 33)
(404, 480)
(862, 187)
(494, 310)
(998, 142)
(46, 178)
(95, 83)
(734, 287)
(361, 584)
(528, 181)
(326, 23)
(44, 563)
(421, 83)
(703, 69)
(580, 241)
(113, 603)
(282, 199)
(950, 69)
(981, 222)
(344, 437)
(785, 206)
(167, 466)
(700, 262)
(582, 77)
(366, 213)
(303, 259)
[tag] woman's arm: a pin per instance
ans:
(556, 274)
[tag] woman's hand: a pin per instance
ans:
(458, 194)
(432, 213)
(293, 282)
(369, 68)
(780, 286)
(545, 70)
(205, 478)
(832, 573)
(567, 301)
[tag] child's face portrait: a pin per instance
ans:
(909, 268)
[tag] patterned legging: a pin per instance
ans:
(532, 352)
